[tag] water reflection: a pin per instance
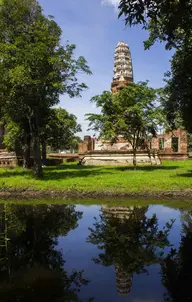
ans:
(177, 267)
(60, 253)
(129, 240)
(31, 269)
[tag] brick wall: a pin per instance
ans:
(168, 137)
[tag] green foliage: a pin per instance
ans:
(178, 91)
(168, 21)
(131, 113)
(60, 129)
(14, 137)
(171, 117)
(35, 67)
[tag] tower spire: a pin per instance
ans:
(123, 71)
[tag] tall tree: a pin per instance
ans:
(35, 67)
(131, 113)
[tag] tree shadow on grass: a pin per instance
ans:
(71, 171)
(14, 172)
(57, 172)
(70, 167)
(63, 174)
(187, 174)
(147, 168)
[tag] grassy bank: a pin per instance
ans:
(171, 176)
(174, 204)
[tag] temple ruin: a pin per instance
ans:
(173, 145)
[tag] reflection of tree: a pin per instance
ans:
(31, 268)
(128, 240)
(177, 267)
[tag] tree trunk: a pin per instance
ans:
(27, 153)
(38, 171)
(34, 129)
(134, 159)
(149, 154)
(44, 154)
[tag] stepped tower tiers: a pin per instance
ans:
(123, 278)
(123, 71)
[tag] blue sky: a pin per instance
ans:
(94, 27)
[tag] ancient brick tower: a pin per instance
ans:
(123, 71)
(123, 278)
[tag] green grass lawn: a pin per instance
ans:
(172, 175)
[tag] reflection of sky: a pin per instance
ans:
(78, 255)
(165, 214)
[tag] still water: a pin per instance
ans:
(95, 253)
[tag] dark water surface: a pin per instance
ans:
(95, 253)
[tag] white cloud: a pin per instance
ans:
(114, 3)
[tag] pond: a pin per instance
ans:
(95, 253)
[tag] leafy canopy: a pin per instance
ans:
(35, 68)
(169, 21)
(177, 99)
(131, 113)
(60, 130)
(166, 20)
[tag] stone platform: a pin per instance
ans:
(173, 156)
(118, 158)
(8, 159)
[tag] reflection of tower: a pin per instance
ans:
(123, 71)
(123, 279)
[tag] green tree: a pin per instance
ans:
(17, 138)
(131, 113)
(14, 137)
(59, 133)
(74, 144)
(166, 20)
(60, 130)
(35, 68)
(178, 91)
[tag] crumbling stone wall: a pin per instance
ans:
(93, 145)
(168, 139)
(87, 145)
